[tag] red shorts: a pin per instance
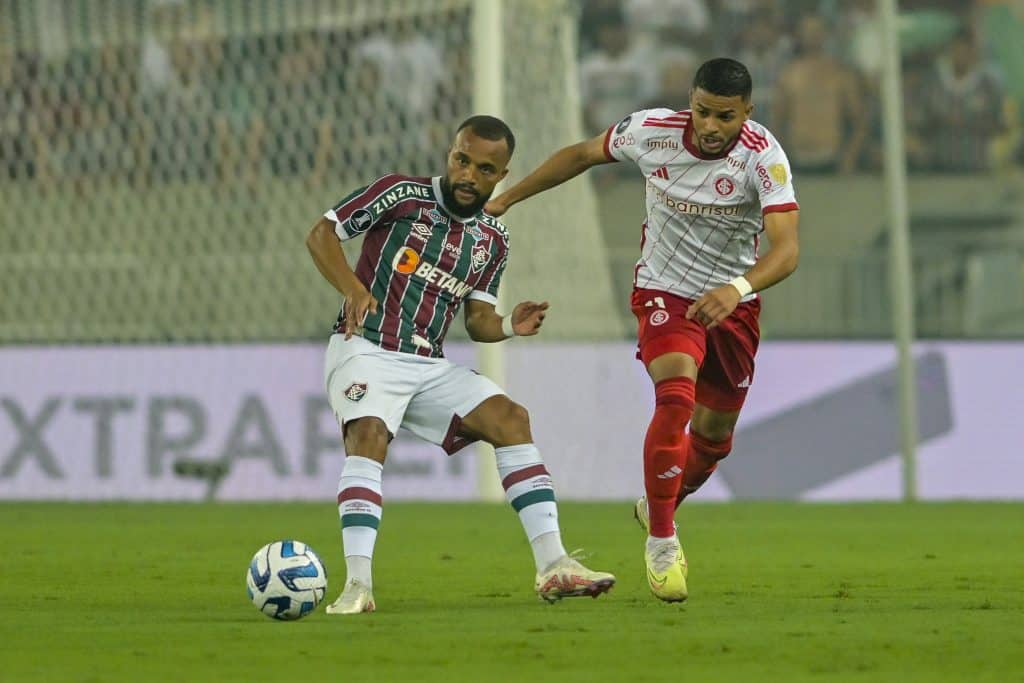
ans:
(724, 354)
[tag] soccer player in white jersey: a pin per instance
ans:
(428, 249)
(715, 181)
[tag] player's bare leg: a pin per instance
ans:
(360, 506)
(506, 425)
(710, 441)
(665, 446)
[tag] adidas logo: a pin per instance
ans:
(673, 471)
(745, 383)
(661, 173)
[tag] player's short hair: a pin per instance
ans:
(725, 77)
(490, 128)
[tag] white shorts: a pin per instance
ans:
(427, 396)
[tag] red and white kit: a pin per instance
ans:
(704, 220)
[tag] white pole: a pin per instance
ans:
(488, 98)
(899, 240)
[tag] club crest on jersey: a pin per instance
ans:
(724, 186)
(480, 256)
(356, 391)
(420, 230)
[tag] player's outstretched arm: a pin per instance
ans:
(325, 248)
(563, 165)
(485, 325)
(773, 267)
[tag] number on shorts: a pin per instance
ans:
(656, 300)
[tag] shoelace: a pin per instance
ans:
(579, 555)
(665, 555)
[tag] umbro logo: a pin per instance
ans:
(671, 472)
(660, 173)
(420, 231)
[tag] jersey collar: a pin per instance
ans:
(695, 150)
(439, 198)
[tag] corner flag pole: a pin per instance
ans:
(901, 283)
(488, 98)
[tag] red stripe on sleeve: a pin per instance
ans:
(608, 144)
(780, 208)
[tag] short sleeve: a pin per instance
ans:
(486, 288)
(625, 140)
(360, 211)
(771, 176)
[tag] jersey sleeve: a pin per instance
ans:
(773, 179)
(627, 139)
(486, 288)
(359, 211)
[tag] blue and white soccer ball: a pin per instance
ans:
(286, 580)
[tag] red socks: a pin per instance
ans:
(665, 451)
(701, 461)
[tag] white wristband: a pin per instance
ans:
(742, 285)
(506, 327)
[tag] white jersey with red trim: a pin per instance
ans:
(704, 213)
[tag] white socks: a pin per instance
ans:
(359, 505)
(528, 489)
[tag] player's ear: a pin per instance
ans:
(504, 172)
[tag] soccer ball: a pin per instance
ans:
(286, 580)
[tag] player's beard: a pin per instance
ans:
(460, 210)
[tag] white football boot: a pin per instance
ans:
(356, 598)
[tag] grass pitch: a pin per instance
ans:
(780, 592)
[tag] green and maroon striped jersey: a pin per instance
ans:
(418, 260)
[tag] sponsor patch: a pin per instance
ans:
(662, 143)
(474, 231)
(405, 261)
(724, 186)
(437, 216)
(659, 318)
(778, 173)
(360, 220)
(623, 141)
(356, 391)
(623, 125)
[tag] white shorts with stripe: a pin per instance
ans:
(427, 396)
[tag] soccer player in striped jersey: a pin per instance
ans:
(715, 181)
(428, 249)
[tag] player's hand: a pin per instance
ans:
(527, 317)
(356, 308)
(715, 306)
(495, 207)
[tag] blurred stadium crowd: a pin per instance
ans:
(816, 70)
(177, 99)
(174, 98)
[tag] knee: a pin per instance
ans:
(716, 443)
(366, 436)
(517, 416)
(512, 425)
